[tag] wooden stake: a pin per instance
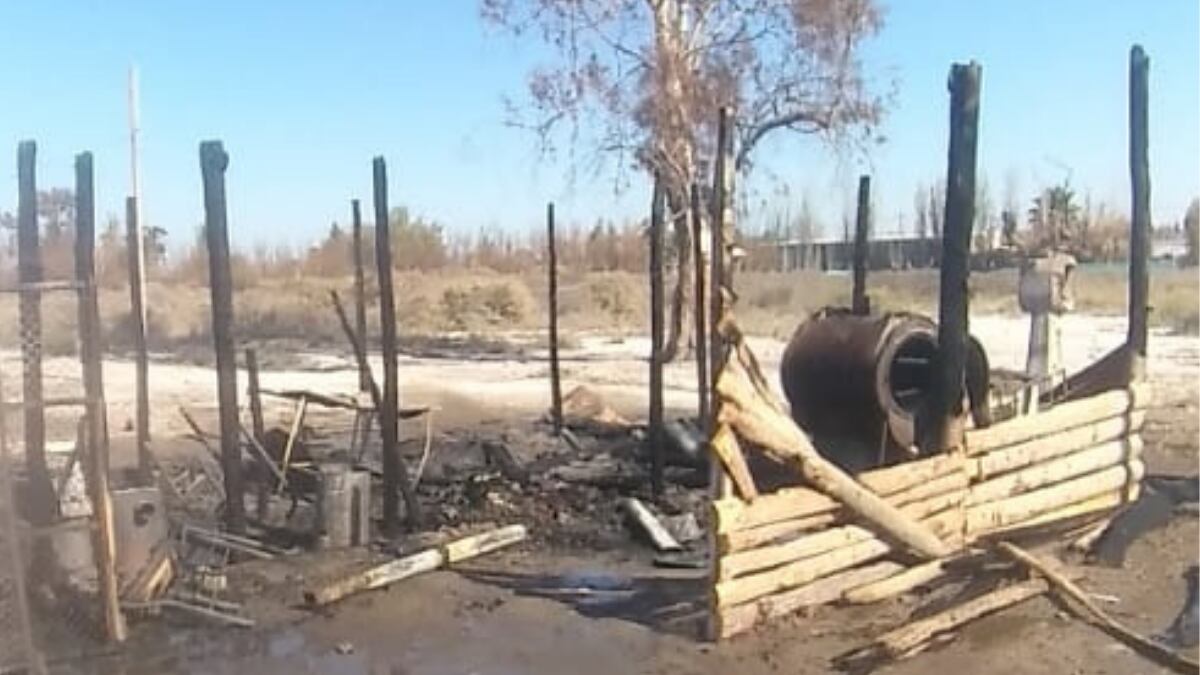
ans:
(42, 502)
(700, 246)
(137, 314)
(213, 162)
(556, 413)
(654, 434)
(360, 294)
(1139, 219)
(293, 434)
(956, 253)
(90, 357)
(860, 303)
(1066, 587)
(255, 394)
(395, 473)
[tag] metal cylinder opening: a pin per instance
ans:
(910, 372)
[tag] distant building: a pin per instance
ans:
(889, 253)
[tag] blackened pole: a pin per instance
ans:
(29, 271)
(137, 312)
(395, 475)
(360, 290)
(556, 412)
(213, 162)
(860, 303)
(1139, 221)
(700, 245)
(956, 248)
(655, 435)
(95, 460)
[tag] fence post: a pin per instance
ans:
(1139, 221)
(254, 392)
(556, 412)
(42, 502)
(360, 290)
(213, 162)
(395, 474)
(861, 302)
(137, 314)
(700, 256)
(956, 249)
(655, 432)
(95, 459)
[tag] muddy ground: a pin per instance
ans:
(595, 603)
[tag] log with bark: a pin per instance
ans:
(392, 571)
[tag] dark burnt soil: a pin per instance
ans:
(582, 596)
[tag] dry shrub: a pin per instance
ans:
(505, 303)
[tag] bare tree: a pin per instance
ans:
(644, 80)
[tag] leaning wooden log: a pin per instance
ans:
(914, 637)
(1085, 461)
(779, 435)
(657, 533)
(1041, 449)
(739, 619)
(1064, 586)
(983, 518)
(725, 446)
(392, 571)
(1059, 418)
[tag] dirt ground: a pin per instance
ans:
(558, 606)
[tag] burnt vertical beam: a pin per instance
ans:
(956, 249)
(655, 432)
(360, 290)
(722, 239)
(213, 162)
(254, 393)
(95, 460)
(137, 312)
(42, 502)
(395, 475)
(700, 256)
(860, 303)
(556, 412)
(1139, 220)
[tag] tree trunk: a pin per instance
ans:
(681, 330)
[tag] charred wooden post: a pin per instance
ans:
(556, 412)
(860, 302)
(654, 434)
(956, 249)
(723, 237)
(1139, 221)
(257, 425)
(360, 290)
(137, 314)
(213, 162)
(42, 502)
(395, 474)
(700, 255)
(96, 453)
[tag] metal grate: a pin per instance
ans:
(17, 652)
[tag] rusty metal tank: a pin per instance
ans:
(862, 385)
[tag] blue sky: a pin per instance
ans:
(304, 94)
